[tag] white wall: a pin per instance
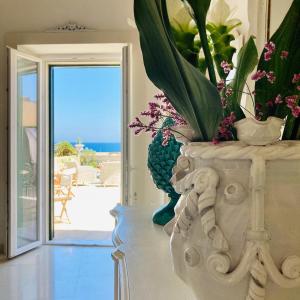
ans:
(279, 9)
(110, 19)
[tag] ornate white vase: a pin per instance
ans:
(236, 233)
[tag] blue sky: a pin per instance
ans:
(87, 104)
(29, 86)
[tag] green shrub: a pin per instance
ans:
(88, 158)
(64, 148)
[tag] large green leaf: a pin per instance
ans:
(246, 62)
(286, 38)
(200, 8)
(199, 11)
(192, 95)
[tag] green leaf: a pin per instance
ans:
(192, 95)
(246, 62)
(199, 12)
(202, 65)
(286, 38)
(292, 128)
(200, 8)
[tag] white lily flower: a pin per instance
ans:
(220, 14)
(179, 15)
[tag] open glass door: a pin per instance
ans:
(25, 153)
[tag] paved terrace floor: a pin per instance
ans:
(90, 220)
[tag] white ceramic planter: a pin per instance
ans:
(259, 133)
(236, 233)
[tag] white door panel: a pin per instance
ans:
(25, 153)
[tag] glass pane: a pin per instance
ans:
(27, 153)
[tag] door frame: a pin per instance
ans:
(13, 250)
(68, 60)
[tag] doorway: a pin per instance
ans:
(33, 174)
(85, 151)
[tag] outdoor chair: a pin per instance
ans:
(63, 193)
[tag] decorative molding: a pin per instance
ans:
(258, 281)
(70, 27)
(121, 282)
(234, 193)
(115, 236)
(192, 257)
(238, 150)
(121, 285)
(201, 189)
(256, 260)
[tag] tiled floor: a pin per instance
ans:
(58, 273)
(89, 215)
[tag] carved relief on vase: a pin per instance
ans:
(222, 235)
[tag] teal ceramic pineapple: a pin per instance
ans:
(161, 160)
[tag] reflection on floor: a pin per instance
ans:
(89, 217)
(59, 273)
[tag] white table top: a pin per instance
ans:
(147, 257)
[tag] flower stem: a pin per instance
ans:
(247, 111)
(253, 102)
(207, 53)
(179, 133)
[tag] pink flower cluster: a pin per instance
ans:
(258, 111)
(157, 112)
(225, 92)
(292, 104)
(225, 129)
(290, 101)
(221, 85)
(258, 75)
(271, 77)
(261, 74)
(276, 101)
(167, 133)
(270, 47)
(226, 66)
(296, 80)
(284, 54)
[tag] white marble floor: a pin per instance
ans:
(58, 273)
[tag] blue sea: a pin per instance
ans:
(102, 147)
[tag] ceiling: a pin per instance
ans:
(41, 15)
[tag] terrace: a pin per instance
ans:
(86, 188)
